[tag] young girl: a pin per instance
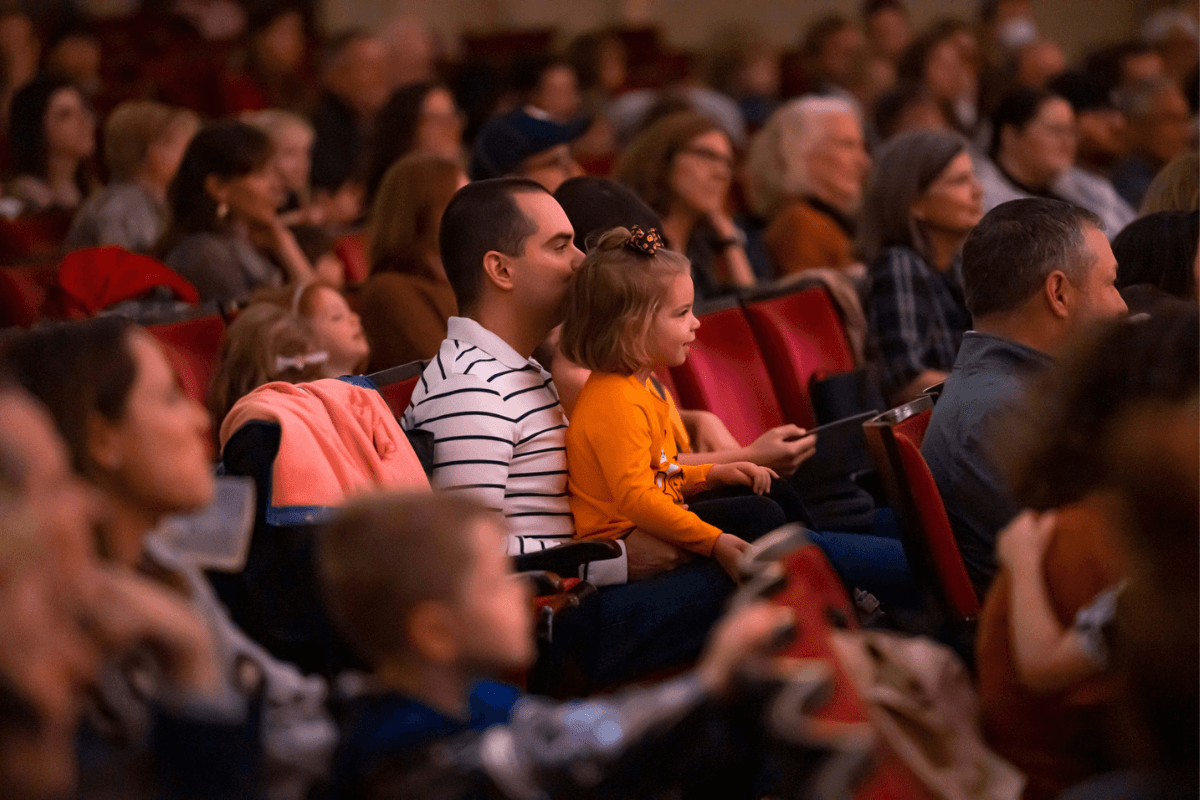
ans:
(629, 314)
(336, 329)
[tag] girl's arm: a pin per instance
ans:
(1046, 656)
(782, 449)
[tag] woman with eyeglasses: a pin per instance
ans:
(682, 166)
(1033, 155)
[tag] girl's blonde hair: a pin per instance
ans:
(265, 343)
(614, 296)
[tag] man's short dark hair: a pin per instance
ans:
(481, 217)
(1016, 245)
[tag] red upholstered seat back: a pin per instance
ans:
(725, 373)
(397, 384)
(895, 440)
(23, 293)
(351, 250)
(34, 236)
(192, 347)
(810, 565)
(801, 337)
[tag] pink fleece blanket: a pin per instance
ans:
(338, 440)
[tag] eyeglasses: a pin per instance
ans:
(710, 155)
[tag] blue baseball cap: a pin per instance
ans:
(506, 141)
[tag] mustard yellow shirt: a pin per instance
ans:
(623, 467)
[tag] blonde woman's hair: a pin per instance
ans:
(1176, 187)
(265, 343)
(614, 296)
(777, 163)
(132, 128)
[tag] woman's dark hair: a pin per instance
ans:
(1056, 456)
(596, 205)
(226, 149)
(27, 129)
(911, 66)
(1160, 250)
(76, 369)
(395, 133)
(1016, 110)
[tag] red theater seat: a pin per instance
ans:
(351, 250)
(23, 293)
(895, 441)
(397, 384)
(801, 337)
(725, 373)
(33, 236)
(192, 347)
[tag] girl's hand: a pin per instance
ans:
(1024, 541)
(743, 473)
(728, 552)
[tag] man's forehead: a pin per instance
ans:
(543, 210)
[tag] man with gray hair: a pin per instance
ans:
(1035, 273)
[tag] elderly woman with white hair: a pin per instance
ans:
(805, 172)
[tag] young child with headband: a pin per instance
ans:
(630, 314)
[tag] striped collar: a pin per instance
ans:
(470, 332)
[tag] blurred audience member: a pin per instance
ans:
(944, 62)
(1033, 155)
(1176, 187)
(412, 50)
(1119, 66)
(922, 200)
(418, 118)
(213, 20)
(75, 57)
(266, 343)
(337, 331)
(833, 48)
(146, 447)
(272, 74)
(806, 171)
(1158, 253)
(20, 55)
(547, 87)
(601, 65)
(1159, 130)
(1037, 63)
(1046, 672)
(745, 65)
(144, 144)
(407, 300)
(51, 140)
(291, 140)
(1174, 32)
(523, 145)
(908, 107)
(682, 166)
(889, 28)
(1035, 272)
(225, 235)
(1099, 126)
(356, 85)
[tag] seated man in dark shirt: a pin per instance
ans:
(421, 584)
(1035, 271)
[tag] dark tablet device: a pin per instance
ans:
(857, 418)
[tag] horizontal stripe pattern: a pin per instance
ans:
(484, 416)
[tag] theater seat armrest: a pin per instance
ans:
(543, 583)
(566, 559)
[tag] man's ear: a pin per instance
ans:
(497, 267)
(1058, 292)
(432, 633)
(103, 444)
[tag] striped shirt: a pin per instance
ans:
(500, 437)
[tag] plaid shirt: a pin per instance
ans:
(916, 317)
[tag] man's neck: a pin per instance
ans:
(442, 689)
(1020, 328)
(516, 329)
(155, 188)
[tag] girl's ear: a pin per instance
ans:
(497, 267)
(104, 444)
(216, 188)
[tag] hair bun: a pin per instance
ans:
(644, 242)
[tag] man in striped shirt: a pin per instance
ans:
(499, 430)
